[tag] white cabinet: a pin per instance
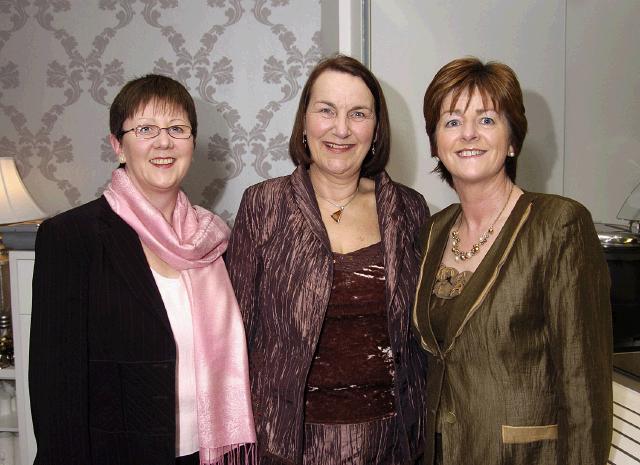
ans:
(21, 272)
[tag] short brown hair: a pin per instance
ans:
(373, 163)
(153, 87)
(496, 82)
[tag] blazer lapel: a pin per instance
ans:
(435, 244)
(392, 223)
(124, 250)
(305, 199)
(485, 276)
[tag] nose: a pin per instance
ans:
(469, 131)
(341, 126)
(163, 139)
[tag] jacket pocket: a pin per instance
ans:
(132, 396)
(529, 444)
(527, 434)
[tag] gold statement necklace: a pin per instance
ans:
(455, 237)
(337, 215)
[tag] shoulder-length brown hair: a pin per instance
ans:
(375, 161)
(496, 82)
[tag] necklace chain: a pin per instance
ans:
(337, 215)
(475, 248)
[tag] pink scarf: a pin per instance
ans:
(193, 244)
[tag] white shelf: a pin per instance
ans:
(20, 272)
(8, 373)
(9, 422)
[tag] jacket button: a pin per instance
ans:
(450, 417)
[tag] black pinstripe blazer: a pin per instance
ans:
(102, 353)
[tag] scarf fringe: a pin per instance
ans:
(234, 454)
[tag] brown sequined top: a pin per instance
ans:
(351, 375)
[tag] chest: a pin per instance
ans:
(123, 299)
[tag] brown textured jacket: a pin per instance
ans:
(281, 267)
(526, 378)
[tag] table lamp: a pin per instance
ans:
(16, 207)
(16, 204)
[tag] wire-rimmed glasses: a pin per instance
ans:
(149, 131)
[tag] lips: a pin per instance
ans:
(468, 153)
(162, 161)
(338, 147)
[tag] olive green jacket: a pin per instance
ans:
(526, 378)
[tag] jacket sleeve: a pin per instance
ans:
(58, 367)
(579, 313)
(243, 262)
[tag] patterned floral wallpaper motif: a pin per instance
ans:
(63, 61)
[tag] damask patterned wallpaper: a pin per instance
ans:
(63, 61)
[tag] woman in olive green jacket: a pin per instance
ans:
(512, 304)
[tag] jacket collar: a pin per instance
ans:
(391, 220)
(393, 228)
(305, 199)
(480, 284)
(124, 250)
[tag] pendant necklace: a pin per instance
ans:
(337, 215)
(455, 237)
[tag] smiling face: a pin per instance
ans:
(472, 140)
(339, 123)
(155, 166)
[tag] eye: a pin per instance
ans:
(327, 112)
(359, 115)
(176, 130)
(452, 123)
(486, 120)
(145, 130)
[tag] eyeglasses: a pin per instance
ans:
(149, 131)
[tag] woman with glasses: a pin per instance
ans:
(137, 345)
(324, 265)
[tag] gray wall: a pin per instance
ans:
(244, 61)
(578, 64)
(62, 62)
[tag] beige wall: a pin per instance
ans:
(579, 69)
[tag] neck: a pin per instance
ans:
(331, 187)
(163, 200)
(166, 207)
(481, 202)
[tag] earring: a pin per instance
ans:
(511, 154)
(304, 139)
(373, 149)
(122, 159)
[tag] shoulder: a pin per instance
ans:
(71, 235)
(413, 202)
(266, 193)
(558, 210)
(79, 220)
(270, 185)
(262, 208)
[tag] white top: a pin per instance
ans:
(176, 301)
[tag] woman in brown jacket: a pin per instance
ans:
(517, 323)
(324, 266)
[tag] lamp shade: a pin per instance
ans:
(16, 203)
